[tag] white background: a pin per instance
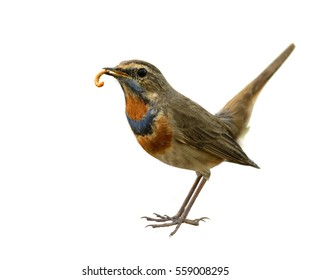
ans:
(74, 182)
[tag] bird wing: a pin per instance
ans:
(201, 130)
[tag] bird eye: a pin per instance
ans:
(142, 72)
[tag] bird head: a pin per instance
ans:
(140, 79)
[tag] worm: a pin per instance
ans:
(97, 77)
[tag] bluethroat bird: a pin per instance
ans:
(179, 132)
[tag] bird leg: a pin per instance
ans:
(166, 218)
(181, 216)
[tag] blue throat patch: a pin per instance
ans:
(134, 86)
(143, 126)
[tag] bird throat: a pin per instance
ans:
(136, 108)
(139, 115)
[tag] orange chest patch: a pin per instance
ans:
(135, 107)
(160, 140)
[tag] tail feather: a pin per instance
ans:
(237, 112)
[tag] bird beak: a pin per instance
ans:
(115, 73)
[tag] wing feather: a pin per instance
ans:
(196, 127)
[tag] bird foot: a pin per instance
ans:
(167, 221)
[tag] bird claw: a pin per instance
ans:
(167, 221)
(159, 218)
(201, 219)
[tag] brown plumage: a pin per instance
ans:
(181, 133)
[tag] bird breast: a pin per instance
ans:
(159, 140)
(150, 126)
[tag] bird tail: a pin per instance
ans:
(237, 112)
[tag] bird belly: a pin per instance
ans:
(183, 156)
(162, 145)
